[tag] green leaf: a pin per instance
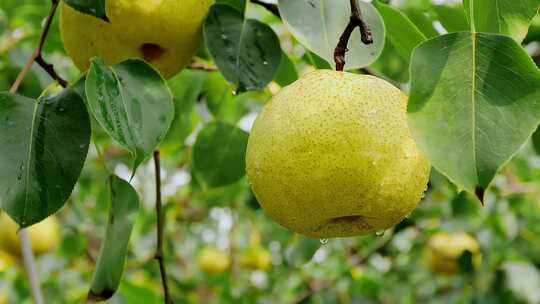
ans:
(318, 24)
(316, 61)
(247, 52)
(132, 102)
(124, 206)
(240, 5)
(474, 101)
(220, 101)
(94, 8)
(185, 88)
(536, 141)
(423, 20)
(509, 17)
(452, 17)
(43, 146)
(391, 64)
(400, 31)
(219, 154)
(287, 72)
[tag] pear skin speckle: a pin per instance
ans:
(331, 156)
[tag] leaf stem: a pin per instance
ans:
(356, 20)
(37, 57)
(160, 223)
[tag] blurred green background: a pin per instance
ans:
(221, 247)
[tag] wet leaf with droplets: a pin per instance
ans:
(246, 51)
(136, 111)
(43, 146)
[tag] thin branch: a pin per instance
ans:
(356, 20)
(37, 57)
(160, 223)
(30, 267)
(195, 65)
(272, 8)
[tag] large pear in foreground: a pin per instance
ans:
(165, 33)
(331, 156)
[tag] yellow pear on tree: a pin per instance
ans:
(165, 33)
(44, 236)
(256, 258)
(212, 260)
(331, 155)
(444, 250)
(6, 260)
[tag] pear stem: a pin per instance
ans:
(37, 57)
(355, 20)
(160, 223)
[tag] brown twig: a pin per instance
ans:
(356, 20)
(160, 223)
(272, 8)
(37, 57)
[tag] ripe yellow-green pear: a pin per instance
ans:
(256, 258)
(331, 155)
(165, 33)
(444, 250)
(212, 260)
(44, 236)
(6, 260)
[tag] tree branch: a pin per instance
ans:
(272, 8)
(37, 57)
(29, 266)
(160, 223)
(195, 65)
(356, 20)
